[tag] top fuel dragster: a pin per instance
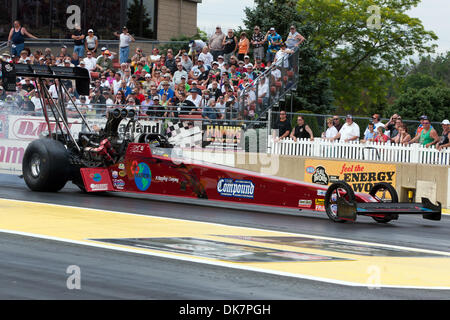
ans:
(101, 160)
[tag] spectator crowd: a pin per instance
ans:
(227, 77)
(394, 131)
(209, 79)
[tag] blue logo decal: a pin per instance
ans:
(97, 177)
(236, 188)
(143, 176)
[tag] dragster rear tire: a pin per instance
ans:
(329, 202)
(394, 199)
(46, 165)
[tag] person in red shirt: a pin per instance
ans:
(381, 137)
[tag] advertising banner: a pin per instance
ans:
(225, 137)
(361, 176)
(29, 128)
(3, 126)
(11, 154)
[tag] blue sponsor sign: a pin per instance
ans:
(236, 188)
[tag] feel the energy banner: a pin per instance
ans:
(361, 176)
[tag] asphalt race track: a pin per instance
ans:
(37, 267)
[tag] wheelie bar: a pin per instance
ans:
(349, 211)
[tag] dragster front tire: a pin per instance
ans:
(331, 203)
(46, 165)
(394, 199)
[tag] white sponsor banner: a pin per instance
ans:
(136, 128)
(29, 128)
(11, 154)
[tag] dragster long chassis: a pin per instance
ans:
(158, 173)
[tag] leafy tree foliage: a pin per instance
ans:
(363, 60)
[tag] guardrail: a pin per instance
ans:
(371, 151)
(258, 97)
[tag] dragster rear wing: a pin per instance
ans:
(10, 71)
(349, 211)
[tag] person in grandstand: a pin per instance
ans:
(195, 47)
(402, 137)
(230, 44)
(370, 133)
(427, 136)
(349, 132)
(257, 43)
(282, 127)
(124, 45)
(376, 120)
(215, 43)
(301, 130)
(16, 38)
(274, 41)
(381, 137)
(78, 41)
(210, 112)
(331, 132)
(444, 140)
(294, 39)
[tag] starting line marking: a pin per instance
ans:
(85, 226)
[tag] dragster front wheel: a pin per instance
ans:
(384, 192)
(340, 189)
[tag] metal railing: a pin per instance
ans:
(256, 99)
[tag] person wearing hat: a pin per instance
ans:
(274, 42)
(294, 39)
(282, 56)
(125, 39)
(257, 42)
(349, 131)
(16, 38)
(195, 48)
(444, 140)
(215, 43)
(104, 62)
(427, 136)
(90, 62)
(230, 45)
(91, 42)
(420, 127)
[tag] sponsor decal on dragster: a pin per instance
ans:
(304, 203)
(142, 175)
(320, 176)
(321, 193)
(167, 179)
(96, 179)
(236, 188)
(118, 184)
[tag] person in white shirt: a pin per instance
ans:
(207, 57)
(124, 45)
(376, 123)
(53, 89)
(179, 73)
(331, 131)
(90, 62)
(349, 131)
(116, 83)
(36, 101)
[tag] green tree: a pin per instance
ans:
(313, 89)
(437, 68)
(431, 101)
(139, 20)
(363, 60)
